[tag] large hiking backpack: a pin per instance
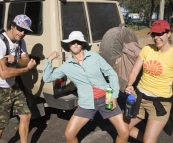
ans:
(119, 47)
(5, 40)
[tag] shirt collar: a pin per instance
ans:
(86, 54)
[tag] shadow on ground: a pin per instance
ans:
(40, 131)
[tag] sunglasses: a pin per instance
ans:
(76, 42)
(153, 34)
(22, 29)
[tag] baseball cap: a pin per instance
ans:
(159, 26)
(23, 21)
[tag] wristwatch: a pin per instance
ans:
(16, 60)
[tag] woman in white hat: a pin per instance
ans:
(85, 70)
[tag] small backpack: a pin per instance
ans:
(7, 43)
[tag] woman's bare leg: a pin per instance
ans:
(73, 127)
(121, 127)
(152, 131)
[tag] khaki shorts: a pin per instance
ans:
(12, 101)
(147, 109)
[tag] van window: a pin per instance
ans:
(103, 16)
(2, 10)
(32, 10)
(74, 19)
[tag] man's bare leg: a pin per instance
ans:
(24, 127)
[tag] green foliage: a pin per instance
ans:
(145, 6)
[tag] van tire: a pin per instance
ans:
(112, 43)
(111, 49)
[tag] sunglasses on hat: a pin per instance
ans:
(22, 29)
(76, 42)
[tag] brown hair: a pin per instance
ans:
(9, 24)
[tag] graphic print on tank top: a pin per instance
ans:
(153, 68)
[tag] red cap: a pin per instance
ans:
(159, 26)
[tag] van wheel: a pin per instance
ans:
(112, 43)
(111, 48)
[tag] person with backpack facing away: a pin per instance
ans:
(84, 69)
(154, 90)
(13, 63)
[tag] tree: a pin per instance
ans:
(147, 6)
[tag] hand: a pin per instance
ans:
(114, 101)
(129, 89)
(53, 56)
(31, 64)
(11, 59)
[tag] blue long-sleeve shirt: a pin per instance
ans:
(85, 76)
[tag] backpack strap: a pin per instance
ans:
(19, 48)
(5, 41)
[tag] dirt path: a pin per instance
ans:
(143, 37)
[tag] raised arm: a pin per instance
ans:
(23, 61)
(20, 62)
(8, 72)
(50, 74)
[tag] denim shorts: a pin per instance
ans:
(99, 106)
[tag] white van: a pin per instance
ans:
(52, 21)
(132, 17)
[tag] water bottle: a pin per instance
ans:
(108, 96)
(130, 104)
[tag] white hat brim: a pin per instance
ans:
(70, 40)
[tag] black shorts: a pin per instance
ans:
(99, 106)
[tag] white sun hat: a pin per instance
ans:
(75, 35)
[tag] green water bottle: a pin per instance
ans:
(108, 96)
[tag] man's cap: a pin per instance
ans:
(75, 35)
(23, 21)
(159, 26)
